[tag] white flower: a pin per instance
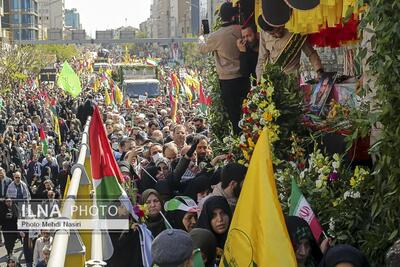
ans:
(302, 174)
(332, 224)
(336, 164)
(351, 194)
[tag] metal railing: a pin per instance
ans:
(60, 241)
(111, 41)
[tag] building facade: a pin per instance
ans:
(195, 17)
(72, 19)
(203, 9)
(173, 18)
(3, 32)
(20, 19)
(51, 15)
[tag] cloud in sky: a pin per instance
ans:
(106, 14)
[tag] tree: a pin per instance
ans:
(62, 52)
(18, 63)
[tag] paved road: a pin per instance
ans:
(17, 253)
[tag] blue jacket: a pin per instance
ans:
(5, 183)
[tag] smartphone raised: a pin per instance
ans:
(206, 26)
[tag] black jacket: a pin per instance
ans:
(248, 63)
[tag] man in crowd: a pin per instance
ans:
(4, 183)
(18, 189)
(172, 247)
(223, 43)
(200, 127)
(273, 40)
(249, 46)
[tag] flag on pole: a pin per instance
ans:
(118, 95)
(56, 125)
(105, 171)
(204, 102)
(300, 207)
(188, 93)
(43, 140)
(96, 85)
(258, 235)
(107, 99)
(152, 62)
(173, 105)
(69, 81)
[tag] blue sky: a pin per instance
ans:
(109, 14)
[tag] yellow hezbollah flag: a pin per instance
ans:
(107, 99)
(118, 96)
(258, 235)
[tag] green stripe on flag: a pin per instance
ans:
(295, 198)
(108, 189)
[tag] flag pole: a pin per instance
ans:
(165, 219)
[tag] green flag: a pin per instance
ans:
(69, 81)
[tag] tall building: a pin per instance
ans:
(21, 19)
(72, 19)
(203, 9)
(173, 18)
(3, 32)
(160, 18)
(51, 15)
(195, 17)
(180, 20)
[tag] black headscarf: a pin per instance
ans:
(212, 203)
(299, 229)
(175, 217)
(344, 254)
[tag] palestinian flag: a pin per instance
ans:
(43, 140)
(106, 175)
(299, 207)
(181, 203)
(105, 171)
(203, 100)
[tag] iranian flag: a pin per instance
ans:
(299, 207)
(152, 62)
(43, 140)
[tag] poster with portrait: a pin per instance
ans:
(322, 91)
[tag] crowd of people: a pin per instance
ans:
(189, 191)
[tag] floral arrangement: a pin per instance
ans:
(275, 103)
(259, 112)
(336, 193)
(142, 211)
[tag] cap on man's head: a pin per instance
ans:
(171, 248)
